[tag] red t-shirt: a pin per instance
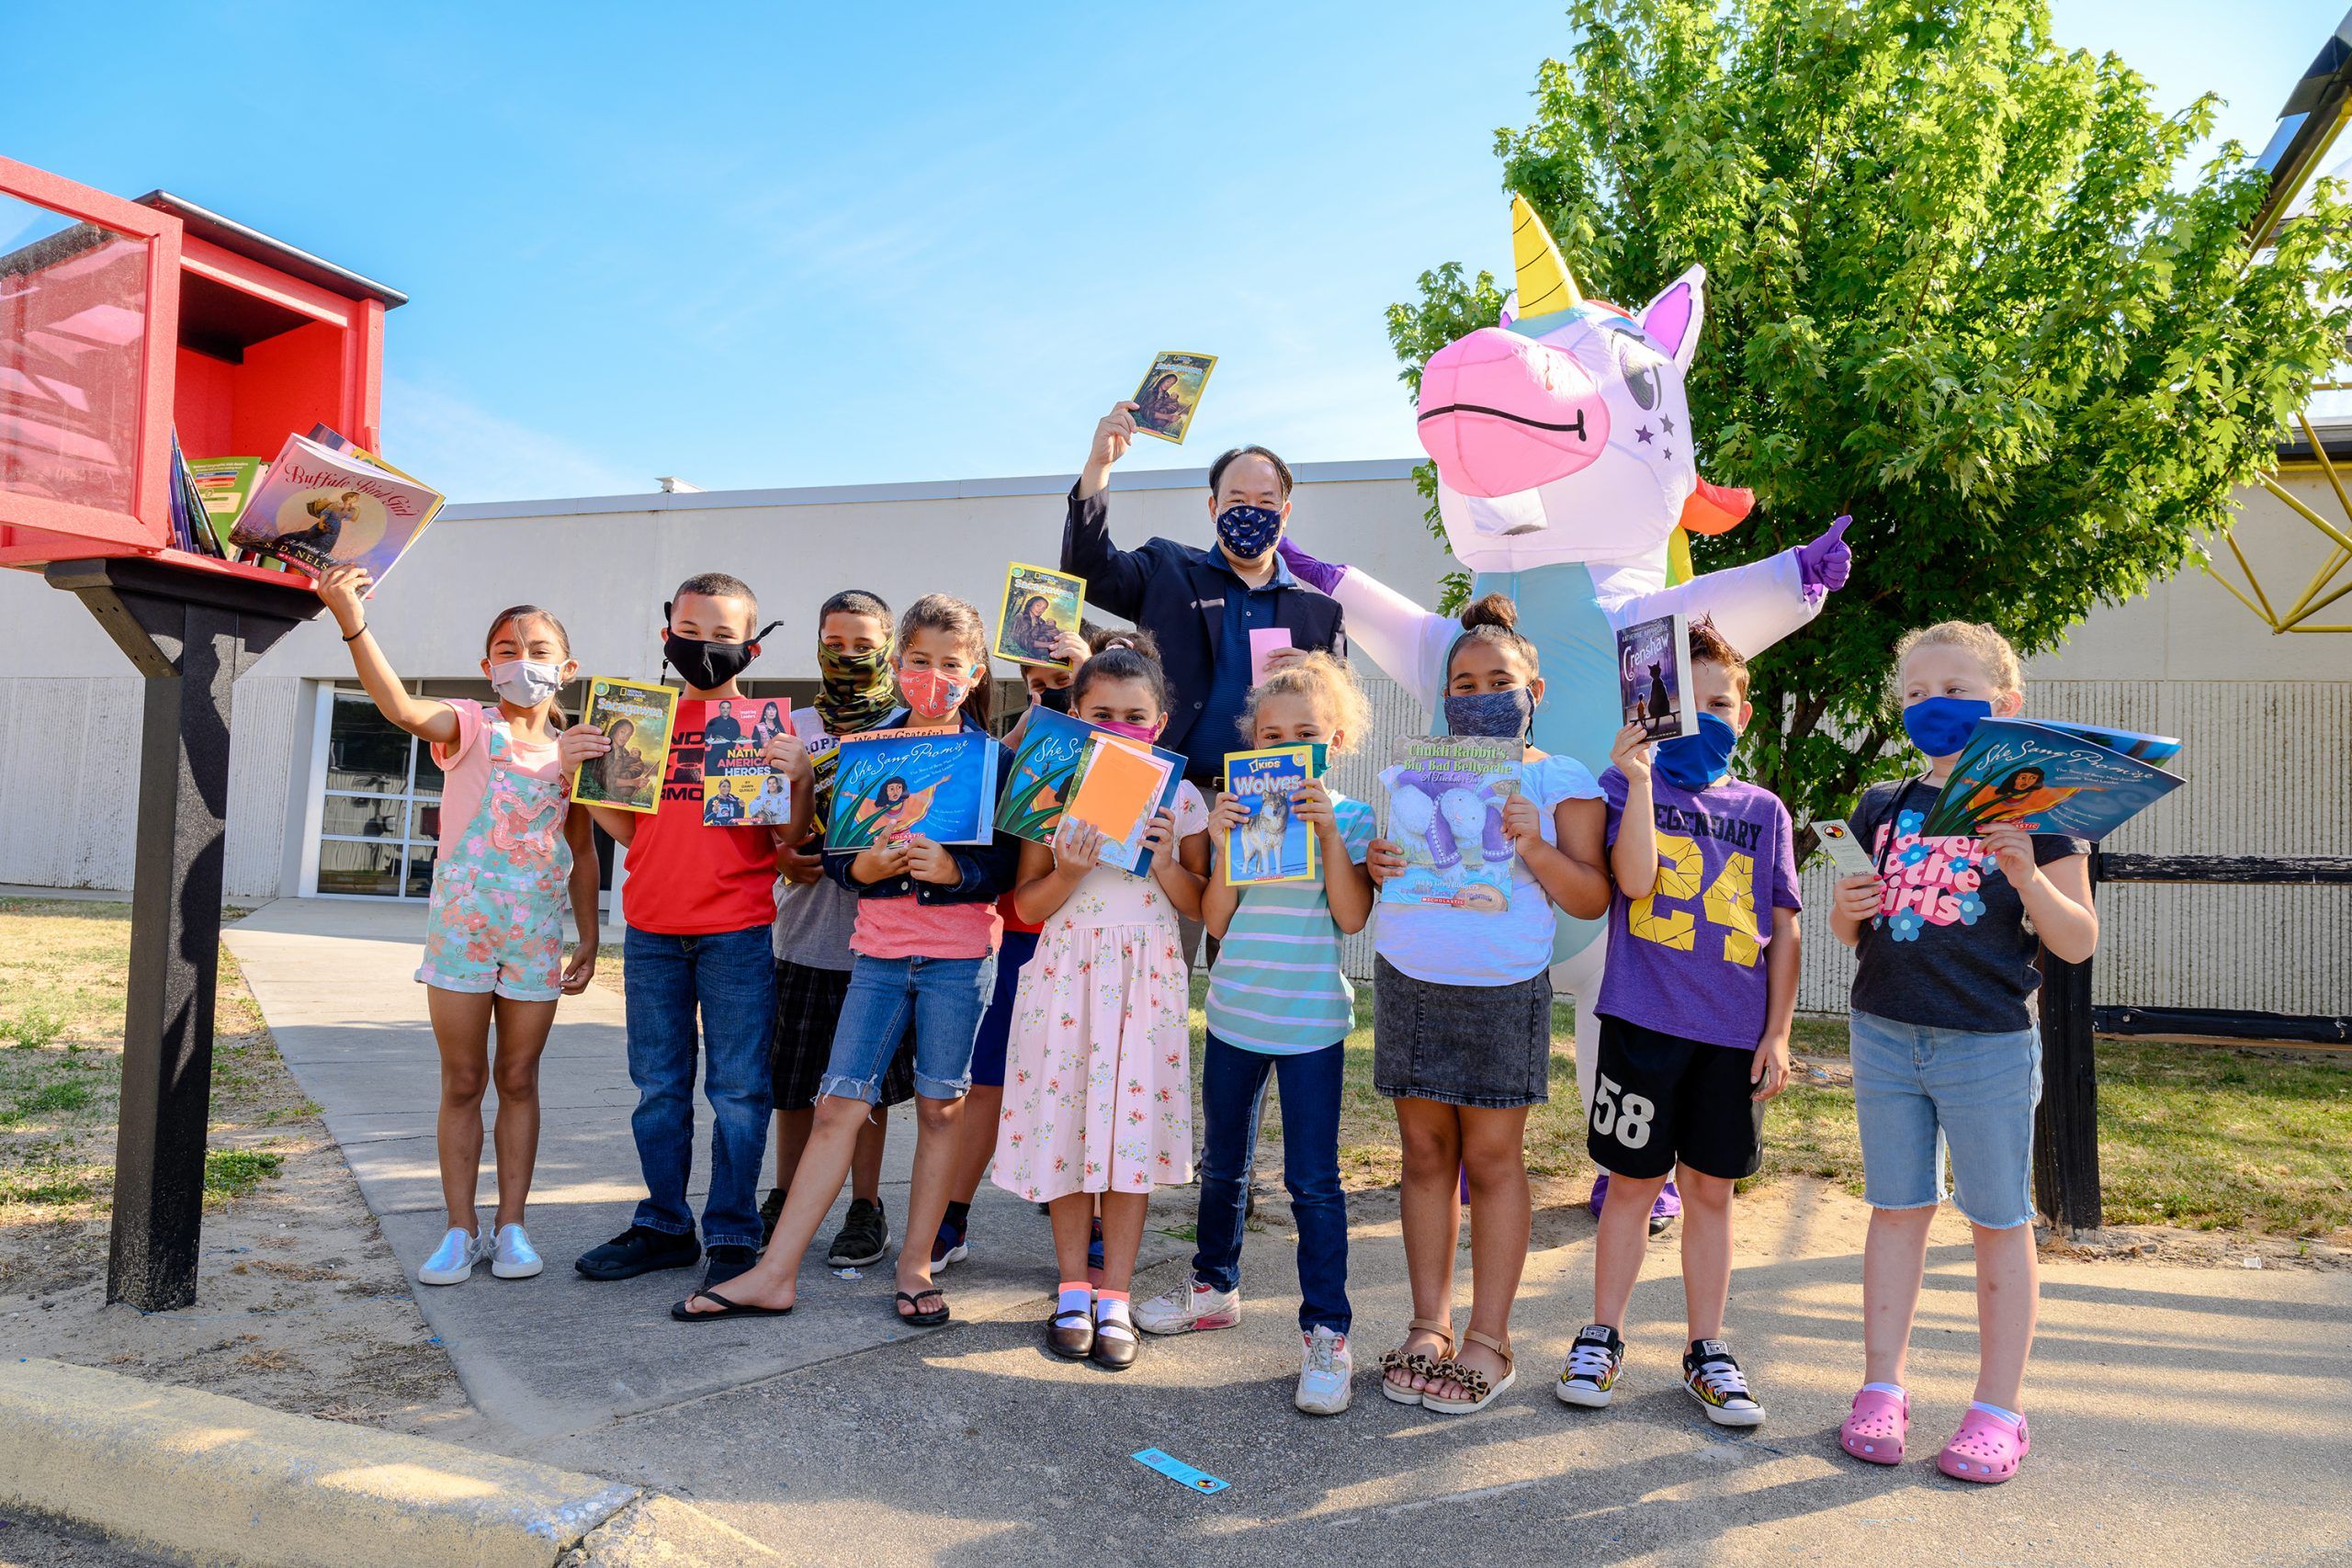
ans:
(688, 880)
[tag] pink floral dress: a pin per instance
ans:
(1098, 1084)
(496, 920)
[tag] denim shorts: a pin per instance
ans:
(945, 997)
(1919, 1092)
(1488, 1046)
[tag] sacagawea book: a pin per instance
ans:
(320, 507)
(1039, 605)
(1171, 394)
(639, 718)
(890, 784)
(1446, 796)
(2047, 778)
(1273, 845)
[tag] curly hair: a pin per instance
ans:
(1990, 647)
(1326, 682)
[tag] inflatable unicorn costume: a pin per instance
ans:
(1565, 481)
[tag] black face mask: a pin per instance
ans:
(710, 665)
(1054, 698)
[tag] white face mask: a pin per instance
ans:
(526, 683)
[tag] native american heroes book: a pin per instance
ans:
(2048, 778)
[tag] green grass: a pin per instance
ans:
(234, 1173)
(31, 1029)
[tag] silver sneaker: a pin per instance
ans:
(1190, 1306)
(453, 1262)
(1326, 1375)
(515, 1257)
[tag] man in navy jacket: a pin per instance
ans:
(1200, 605)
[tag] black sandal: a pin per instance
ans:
(683, 1311)
(919, 1318)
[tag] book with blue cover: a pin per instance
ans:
(1043, 775)
(893, 785)
(2082, 780)
(1273, 845)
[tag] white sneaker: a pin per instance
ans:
(513, 1257)
(453, 1262)
(1189, 1307)
(1326, 1375)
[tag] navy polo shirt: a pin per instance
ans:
(1219, 729)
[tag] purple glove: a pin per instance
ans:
(1321, 575)
(1824, 565)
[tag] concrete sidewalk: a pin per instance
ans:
(2181, 1416)
(335, 981)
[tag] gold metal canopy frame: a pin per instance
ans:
(2315, 110)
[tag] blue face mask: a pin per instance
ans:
(1694, 762)
(1941, 726)
(1501, 716)
(1248, 532)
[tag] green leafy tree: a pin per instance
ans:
(1954, 288)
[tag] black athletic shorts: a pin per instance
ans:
(1658, 1099)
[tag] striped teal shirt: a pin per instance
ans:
(1277, 987)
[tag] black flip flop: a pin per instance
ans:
(725, 1309)
(918, 1319)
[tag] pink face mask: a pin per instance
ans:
(931, 695)
(1145, 733)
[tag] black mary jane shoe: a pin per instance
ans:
(1070, 1343)
(1114, 1352)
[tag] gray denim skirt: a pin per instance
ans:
(1488, 1046)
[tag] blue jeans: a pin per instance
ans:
(729, 978)
(946, 997)
(1921, 1094)
(1309, 1086)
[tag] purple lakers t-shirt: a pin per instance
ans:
(1689, 959)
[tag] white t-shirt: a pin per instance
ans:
(1464, 947)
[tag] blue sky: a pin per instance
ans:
(847, 244)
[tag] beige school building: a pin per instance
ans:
(328, 801)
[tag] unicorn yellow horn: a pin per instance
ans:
(1545, 285)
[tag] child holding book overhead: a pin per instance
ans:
(1695, 1007)
(1279, 1002)
(514, 854)
(1461, 1020)
(1101, 1103)
(1049, 688)
(925, 938)
(1946, 1054)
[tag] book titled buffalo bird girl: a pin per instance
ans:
(320, 507)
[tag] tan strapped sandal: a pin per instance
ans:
(1420, 1363)
(1473, 1381)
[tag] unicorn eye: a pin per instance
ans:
(1642, 376)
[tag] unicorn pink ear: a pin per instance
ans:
(1672, 320)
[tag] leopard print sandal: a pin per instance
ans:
(1482, 1393)
(1419, 1363)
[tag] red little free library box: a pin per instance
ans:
(121, 318)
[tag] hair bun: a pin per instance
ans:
(1494, 610)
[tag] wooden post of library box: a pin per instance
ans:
(121, 321)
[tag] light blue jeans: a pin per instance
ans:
(945, 997)
(1920, 1093)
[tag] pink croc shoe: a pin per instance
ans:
(1873, 1432)
(1985, 1449)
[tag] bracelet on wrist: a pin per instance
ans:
(355, 635)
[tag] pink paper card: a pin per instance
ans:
(1264, 640)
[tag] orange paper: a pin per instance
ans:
(1119, 791)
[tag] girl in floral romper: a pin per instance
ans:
(512, 855)
(1098, 1087)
